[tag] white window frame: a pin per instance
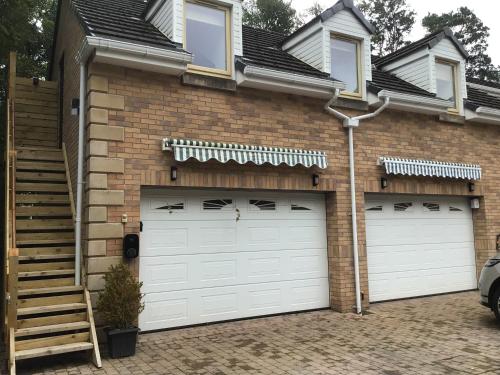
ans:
(192, 68)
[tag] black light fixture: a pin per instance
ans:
(384, 183)
(472, 187)
(36, 81)
(75, 106)
(315, 179)
(173, 173)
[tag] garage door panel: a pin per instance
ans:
(195, 306)
(418, 251)
(213, 270)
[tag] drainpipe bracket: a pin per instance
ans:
(351, 123)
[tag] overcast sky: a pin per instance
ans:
(486, 10)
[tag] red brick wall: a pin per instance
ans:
(158, 106)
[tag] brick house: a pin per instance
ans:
(210, 140)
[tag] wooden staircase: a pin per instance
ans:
(46, 313)
(53, 314)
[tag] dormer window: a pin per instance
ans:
(346, 63)
(446, 82)
(207, 37)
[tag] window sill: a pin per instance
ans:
(452, 117)
(211, 82)
(352, 103)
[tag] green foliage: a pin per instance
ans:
(314, 10)
(393, 21)
(120, 302)
(27, 26)
(473, 34)
(271, 15)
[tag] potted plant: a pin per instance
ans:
(119, 304)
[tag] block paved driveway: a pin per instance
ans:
(450, 334)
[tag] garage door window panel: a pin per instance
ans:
(402, 207)
(431, 207)
(218, 204)
(262, 205)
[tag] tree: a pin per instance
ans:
(314, 10)
(393, 21)
(27, 26)
(473, 34)
(271, 15)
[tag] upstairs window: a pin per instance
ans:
(346, 65)
(446, 82)
(208, 38)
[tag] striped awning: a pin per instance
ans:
(411, 167)
(185, 149)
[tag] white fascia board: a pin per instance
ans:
(411, 103)
(274, 80)
(301, 36)
(138, 56)
(484, 115)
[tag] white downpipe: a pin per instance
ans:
(79, 186)
(351, 123)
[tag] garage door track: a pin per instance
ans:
(448, 334)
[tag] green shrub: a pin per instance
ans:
(120, 302)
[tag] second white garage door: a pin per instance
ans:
(218, 255)
(418, 246)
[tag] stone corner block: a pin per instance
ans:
(96, 248)
(106, 198)
(97, 181)
(101, 264)
(106, 165)
(106, 101)
(97, 148)
(97, 214)
(101, 231)
(98, 116)
(106, 133)
(97, 83)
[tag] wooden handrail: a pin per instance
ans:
(12, 286)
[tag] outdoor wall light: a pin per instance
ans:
(36, 81)
(173, 173)
(472, 187)
(384, 183)
(315, 179)
(75, 106)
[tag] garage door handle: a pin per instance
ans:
(238, 214)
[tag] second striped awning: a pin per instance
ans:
(412, 167)
(185, 149)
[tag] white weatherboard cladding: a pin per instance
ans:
(414, 69)
(345, 23)
(422, 249)
(170, 21)
(236, 260)
(163, 20)
(446, 50)
(310, 50)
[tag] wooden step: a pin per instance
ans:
(46, 211)
(41, 187)
(44, 224)
(43, 155)
(46, 283)
(45, 242)
(66, 272)
(53, 319)
(52, 350)
(49, 291)
(51, 309)
(45, 266)
(49, 301)
(39, 166)
(46, 257)
(52, 341)
(46, 251)
(25, 239)
(41, 176)
(55, 328)
(42, 199)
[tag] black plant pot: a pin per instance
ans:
(122, 342)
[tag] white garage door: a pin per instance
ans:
(217, 255)
(418, 246)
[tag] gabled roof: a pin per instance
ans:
(330, 12)
(387, 81)
(119, 20)
(428, 41)
(493, 85)
(261, 48)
